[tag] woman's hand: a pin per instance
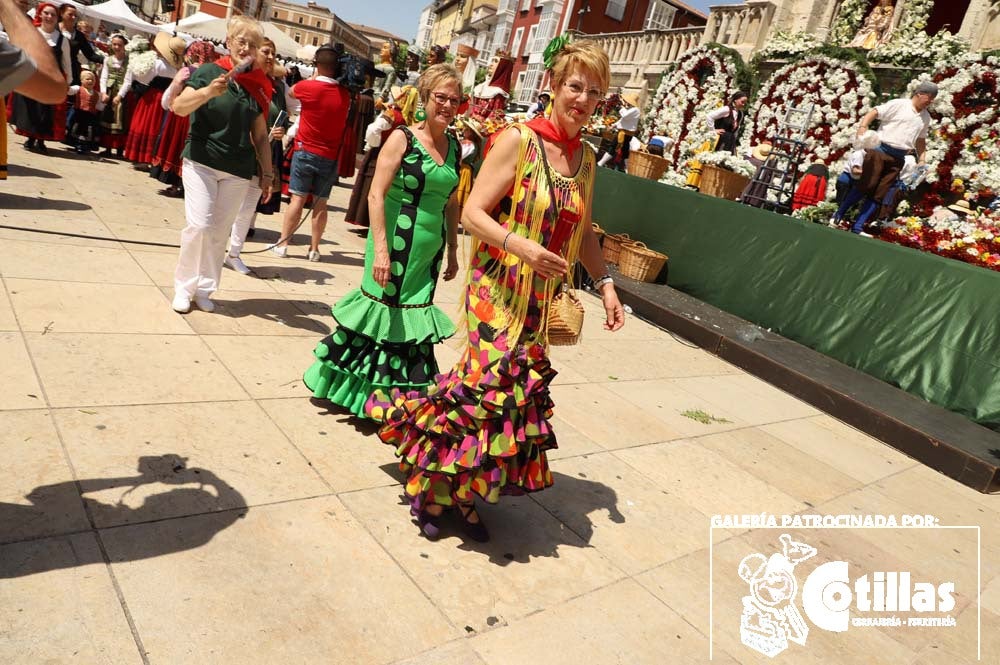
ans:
(217, 87)
(277, 134)
(265, 189)
(380, 269)
(452, 268)
(116, 101)
(613, 308)
(104, 98)
(545, 264)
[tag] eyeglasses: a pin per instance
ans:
(444, 100)
(579, 90)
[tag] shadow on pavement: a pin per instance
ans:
(15, 202)
(291, 312)
(296, 275)
(22, 171)
(212, 495)
(521, 529)
(344, 416)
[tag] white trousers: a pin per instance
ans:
(245, 218)
(211, 200)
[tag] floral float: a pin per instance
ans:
(702, 80)
(841, 93)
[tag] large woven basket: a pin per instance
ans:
(599, 232)
(646, 165)
(720, 182)
(612, 246)
(640, 263)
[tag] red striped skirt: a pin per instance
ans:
(147, 120)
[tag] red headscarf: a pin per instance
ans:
(255, 82)
(37, 20)
(551, 132)
(502, 74)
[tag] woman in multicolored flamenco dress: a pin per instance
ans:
(387, 328)
(483, 429)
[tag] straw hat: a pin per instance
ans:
(961, 206)
(170, 48)
(472, 124)
(761, 151)
(632, 98)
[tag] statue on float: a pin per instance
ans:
(877, 27)
(492, 95)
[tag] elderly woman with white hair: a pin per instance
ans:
(228, 102)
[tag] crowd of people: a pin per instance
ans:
(480, 428)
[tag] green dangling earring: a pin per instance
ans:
(420, 115)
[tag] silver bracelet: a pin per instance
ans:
(608, 279)
(506, 238)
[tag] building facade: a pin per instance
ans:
(453, 18)
(527, 26)
(375, 36)
(426, 27)
(258, 9)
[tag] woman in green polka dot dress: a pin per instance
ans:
(387, 328)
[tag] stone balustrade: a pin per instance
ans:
(743, 27)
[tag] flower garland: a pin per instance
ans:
(920, 50)
(840, 94)
(700, 81)
(963, 146)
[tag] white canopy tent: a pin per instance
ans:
(117, 12)
(216, 29)
(184, 23)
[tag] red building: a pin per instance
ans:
(530, 25)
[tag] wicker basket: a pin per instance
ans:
(612, 247)
(565, 319)
(721, 183)
(646, 165)
(599, 232)
(640, 263)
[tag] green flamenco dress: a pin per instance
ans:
(385, 336)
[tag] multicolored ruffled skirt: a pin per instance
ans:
(483, 429)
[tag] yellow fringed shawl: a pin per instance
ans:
(531, 185)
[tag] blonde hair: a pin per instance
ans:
(87, 72)
(247, 27)
(586, 55)
(435, 76)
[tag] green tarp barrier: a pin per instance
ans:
(926, 324)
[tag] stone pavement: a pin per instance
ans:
(169, 494)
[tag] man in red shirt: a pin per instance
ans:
(322, 124)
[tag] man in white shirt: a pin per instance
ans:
(903, 126)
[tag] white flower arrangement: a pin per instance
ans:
(783, 44)
(728, 161)
(840, 96)
(975, 129)
(702, 80)
(852, 13)
(920, 50)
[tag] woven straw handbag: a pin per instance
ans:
(565, 320)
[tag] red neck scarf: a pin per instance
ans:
(555, 134)
(255, 82)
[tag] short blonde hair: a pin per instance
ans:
(435, 76)
(586, 55)
(246, 27)
(87, 72)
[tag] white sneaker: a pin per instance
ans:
(236, 263)
(834, 222)
(181, 304)
(866, 235)
(280, 251)
(204, 303)
(314, 255)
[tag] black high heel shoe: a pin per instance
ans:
(475, 530)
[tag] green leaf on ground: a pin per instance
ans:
(702, 417)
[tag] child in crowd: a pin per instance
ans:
(84, 131)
